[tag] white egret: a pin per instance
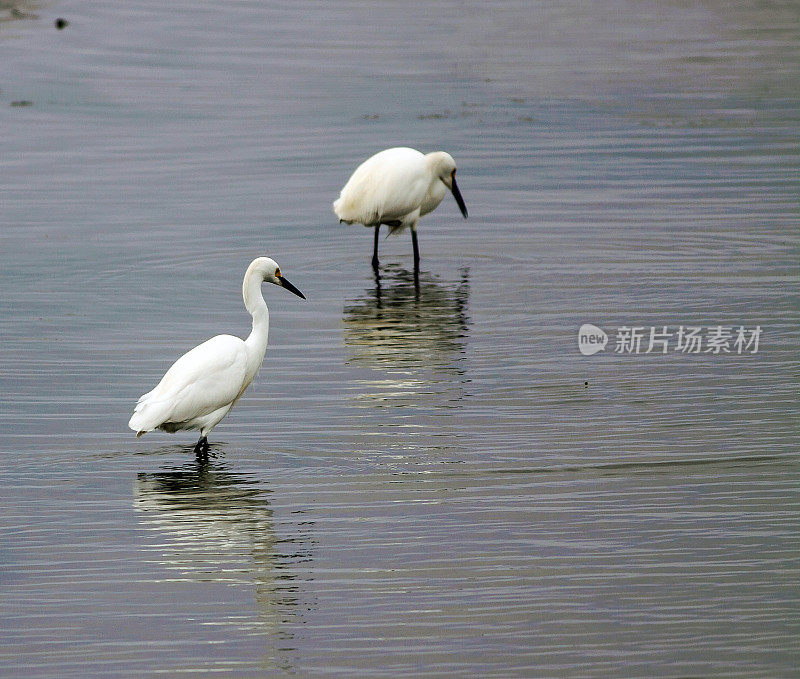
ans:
(204, 384)
(396, 187)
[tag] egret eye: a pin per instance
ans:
(278, 273)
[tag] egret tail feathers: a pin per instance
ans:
(149, 415)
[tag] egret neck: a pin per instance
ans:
(256, 342)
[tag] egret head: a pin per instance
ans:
(271, 273)
(444, 168)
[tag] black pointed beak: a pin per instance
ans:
(286, 284)
(457, 195)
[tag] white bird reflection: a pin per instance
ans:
(217, 527)
(410, 330)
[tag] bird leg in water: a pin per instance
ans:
(201, 447)
(375, 248)
(416, 251)
(378, 290)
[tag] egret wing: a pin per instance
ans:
(201, 381)
(387, 186)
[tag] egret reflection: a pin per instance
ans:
(214, 526)
(411, 328)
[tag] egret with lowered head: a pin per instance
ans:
(206, 382)
(396, 187)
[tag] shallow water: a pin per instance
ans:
(424, 480)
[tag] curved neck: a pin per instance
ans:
(255, 304)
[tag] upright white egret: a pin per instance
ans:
(396, 187)
(205, 383)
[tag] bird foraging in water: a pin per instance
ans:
(204, 384)
(396, 187)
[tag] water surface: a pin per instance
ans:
(424, 480)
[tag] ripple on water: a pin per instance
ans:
(424, 480)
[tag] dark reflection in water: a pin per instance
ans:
(412, 329)
(407, 323)
(215, 526)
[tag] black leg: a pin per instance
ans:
(378, 290)
(416, 249)
(201, 447)
(375, 248)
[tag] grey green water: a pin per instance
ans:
(424, 480)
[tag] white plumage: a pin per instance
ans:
(396, 187)
(205, 383)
